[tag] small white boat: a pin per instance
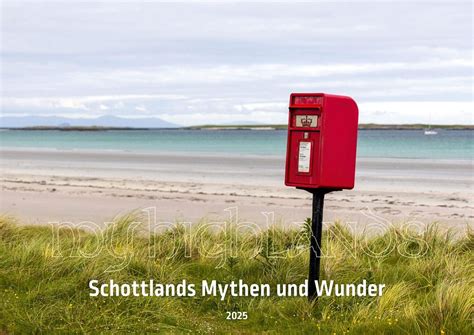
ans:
(429, 131)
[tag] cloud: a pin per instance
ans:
(259, 117)
(435, 112)
(208, 62)
(387, 111)
(79, 101)
(197, 74)
(141, 108)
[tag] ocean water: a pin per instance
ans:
(447, 144)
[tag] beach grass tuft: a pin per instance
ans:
(45, 271)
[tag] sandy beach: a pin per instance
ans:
(42, 186)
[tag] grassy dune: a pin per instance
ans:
(44, 275)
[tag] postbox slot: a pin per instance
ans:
(304, 99)
(305, 106)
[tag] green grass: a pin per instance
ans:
(44, 275)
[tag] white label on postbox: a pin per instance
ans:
(306, 121)
(304, 156)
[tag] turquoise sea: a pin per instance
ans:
(447, 144)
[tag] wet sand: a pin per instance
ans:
(42, 186)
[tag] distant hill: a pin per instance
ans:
(102, 121)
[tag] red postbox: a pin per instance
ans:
(322, 141)
(320, 157)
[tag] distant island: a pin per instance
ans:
(77, 128)
(363, 126)
(111, 122)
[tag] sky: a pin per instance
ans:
(214, 63)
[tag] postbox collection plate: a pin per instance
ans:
(304, 157)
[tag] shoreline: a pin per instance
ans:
(204, 154)
(255, 127)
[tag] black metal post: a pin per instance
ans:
(315, 249)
